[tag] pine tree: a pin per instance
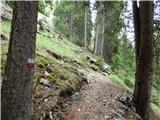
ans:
(17, 82)
(144, 71)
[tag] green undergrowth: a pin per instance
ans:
(64, 48)
(64, 75)
(5, 26)
(119, 81)
(126, 80)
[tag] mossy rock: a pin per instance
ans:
(95, 68)
(40, 65)
(51, 78)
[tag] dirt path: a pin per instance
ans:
(101, 99)
(98, 101)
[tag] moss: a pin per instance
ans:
(52, 78)
(119, 81)
(40, 65)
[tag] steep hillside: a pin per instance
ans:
(62, 68)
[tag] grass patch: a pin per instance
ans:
(155, 107)
(119, 81)
(65, 48)
(5, 26)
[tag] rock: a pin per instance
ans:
(45, 100)
(85, 79)
(46, 82)
(105, 67)
(76, 96)
(106, 117)
(79, 110)
(91, 60)
(95, 68)
(105, 101)
(46, 73)
(50, 115)
(49, 69)
(96, 97)
(104, 73)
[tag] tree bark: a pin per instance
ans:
(102, 36)
(71, 27)
(17, 82)
(145, 64)
(136, 20)
(85, 27)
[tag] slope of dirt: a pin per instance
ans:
(101, 99)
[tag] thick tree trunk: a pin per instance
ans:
(85, 28)
(137, 39)
(145, 64)
(17, 82)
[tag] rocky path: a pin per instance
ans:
(99, 101)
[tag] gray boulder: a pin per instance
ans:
(76, 96)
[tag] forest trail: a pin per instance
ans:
(99, 101)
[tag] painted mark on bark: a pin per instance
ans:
(31, 63)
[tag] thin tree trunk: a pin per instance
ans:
(145, 64)
(85, 28)
(17, 82)
(102, 39)
(71, 27)
(97, 39)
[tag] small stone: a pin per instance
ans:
(96, 97)
(50, 115)
(45, 82)
(46, 73)
(106, 117)
(45, 100)
(76, 96)
(105, 101)
(79, 110)
(105, 67)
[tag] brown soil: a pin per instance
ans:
(100, 100)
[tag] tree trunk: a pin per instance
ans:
(102, 36)
(85, 28)
(145, 64)
(71, 27)
(17, 82)
(137, 39)
(97, 39)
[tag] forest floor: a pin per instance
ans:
(68, 87)
(100, 99)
